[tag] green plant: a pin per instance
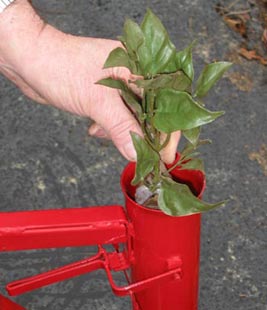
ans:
(167, 103)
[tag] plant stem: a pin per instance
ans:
(165, 143)
(153, 135)
(151, 103)
(147, 135)
(156, 178)
(174, 166)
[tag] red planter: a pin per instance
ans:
(161, 251)
(162, 242)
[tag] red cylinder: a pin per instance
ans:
(160, 243)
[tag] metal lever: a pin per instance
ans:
(99, 261)
(102, 260)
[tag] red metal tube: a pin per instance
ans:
(161, 242)
(26, 230)
(7, 304)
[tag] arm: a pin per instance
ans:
(19, 28)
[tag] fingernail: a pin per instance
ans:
(129, 151)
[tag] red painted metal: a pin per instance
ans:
(102, 260)
(116, 261)
(162, 241)
(7, 304)
(195, 179)
(162, 251)
(61, 228)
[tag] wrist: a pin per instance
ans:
(20, 26)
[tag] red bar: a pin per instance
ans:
(6, 304)
(61, 228)
(56, 275)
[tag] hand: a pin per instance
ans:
(61, 70)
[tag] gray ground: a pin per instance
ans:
(48, 161)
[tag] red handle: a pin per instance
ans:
(56, 275)
(102, 260)
(171, 275)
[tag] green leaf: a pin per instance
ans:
(209, 76)
(147, 158)
(132, 101)
(192, 135)
(190, 148)
(118, 58)
(129, 97)
(158, 82)
(180, 81)
(113, 83)
(184, 61)
(177, 81)
(176, 199)
(193, 164)
(157, 51)
(133, 36)
(177, 110)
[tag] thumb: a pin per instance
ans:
(169, 152)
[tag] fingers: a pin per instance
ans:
(119, 133)
(169, 152)
(114, 121)
(124, 74)
(96, 130)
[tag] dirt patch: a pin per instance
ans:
(249, 20)
(260, 157)
(241, 80)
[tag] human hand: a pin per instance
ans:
(62, 70)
